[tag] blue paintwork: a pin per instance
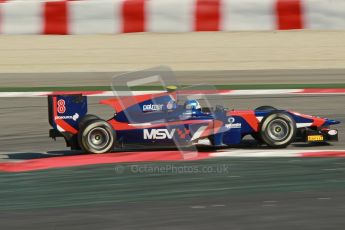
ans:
(162, 111)
(74, 109)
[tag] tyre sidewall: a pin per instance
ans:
(271, 117)
(88, 126)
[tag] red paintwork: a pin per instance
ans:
(317, 121)
(248, 116)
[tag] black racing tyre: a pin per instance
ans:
(257, 138)
(86, 119)
(265, 107)
(73, 141)
(96, 136)
(278, 130)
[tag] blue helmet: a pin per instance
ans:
(192, 104)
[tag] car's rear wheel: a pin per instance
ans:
(96, 136)
(87, 118)
(73, 141)
(278, 130)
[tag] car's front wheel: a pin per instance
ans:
(278, 130)
(265, 107)
(96, 136)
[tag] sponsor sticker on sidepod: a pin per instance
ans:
(74, 117)
(233, 125)
(151, 107)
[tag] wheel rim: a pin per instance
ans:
(98, 138)
(278, 130)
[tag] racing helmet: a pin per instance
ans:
(192, 104)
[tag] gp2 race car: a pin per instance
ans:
(158, 120)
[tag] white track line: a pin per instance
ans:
(88, 93)
(263, 92)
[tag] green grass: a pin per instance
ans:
(235, 86)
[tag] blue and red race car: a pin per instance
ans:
(159, 120)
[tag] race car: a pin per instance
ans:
(159, 120)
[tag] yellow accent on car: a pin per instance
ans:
(315, 138)
(171, 88)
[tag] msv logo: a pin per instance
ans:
(158, 134)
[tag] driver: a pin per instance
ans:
(192, 105)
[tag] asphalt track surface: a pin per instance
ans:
(252, 193)
(228, 77)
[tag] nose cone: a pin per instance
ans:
(332, 122)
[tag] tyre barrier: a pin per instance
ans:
(172, 16)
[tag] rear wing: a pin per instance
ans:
(65, 112)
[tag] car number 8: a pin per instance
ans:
(61, 106)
